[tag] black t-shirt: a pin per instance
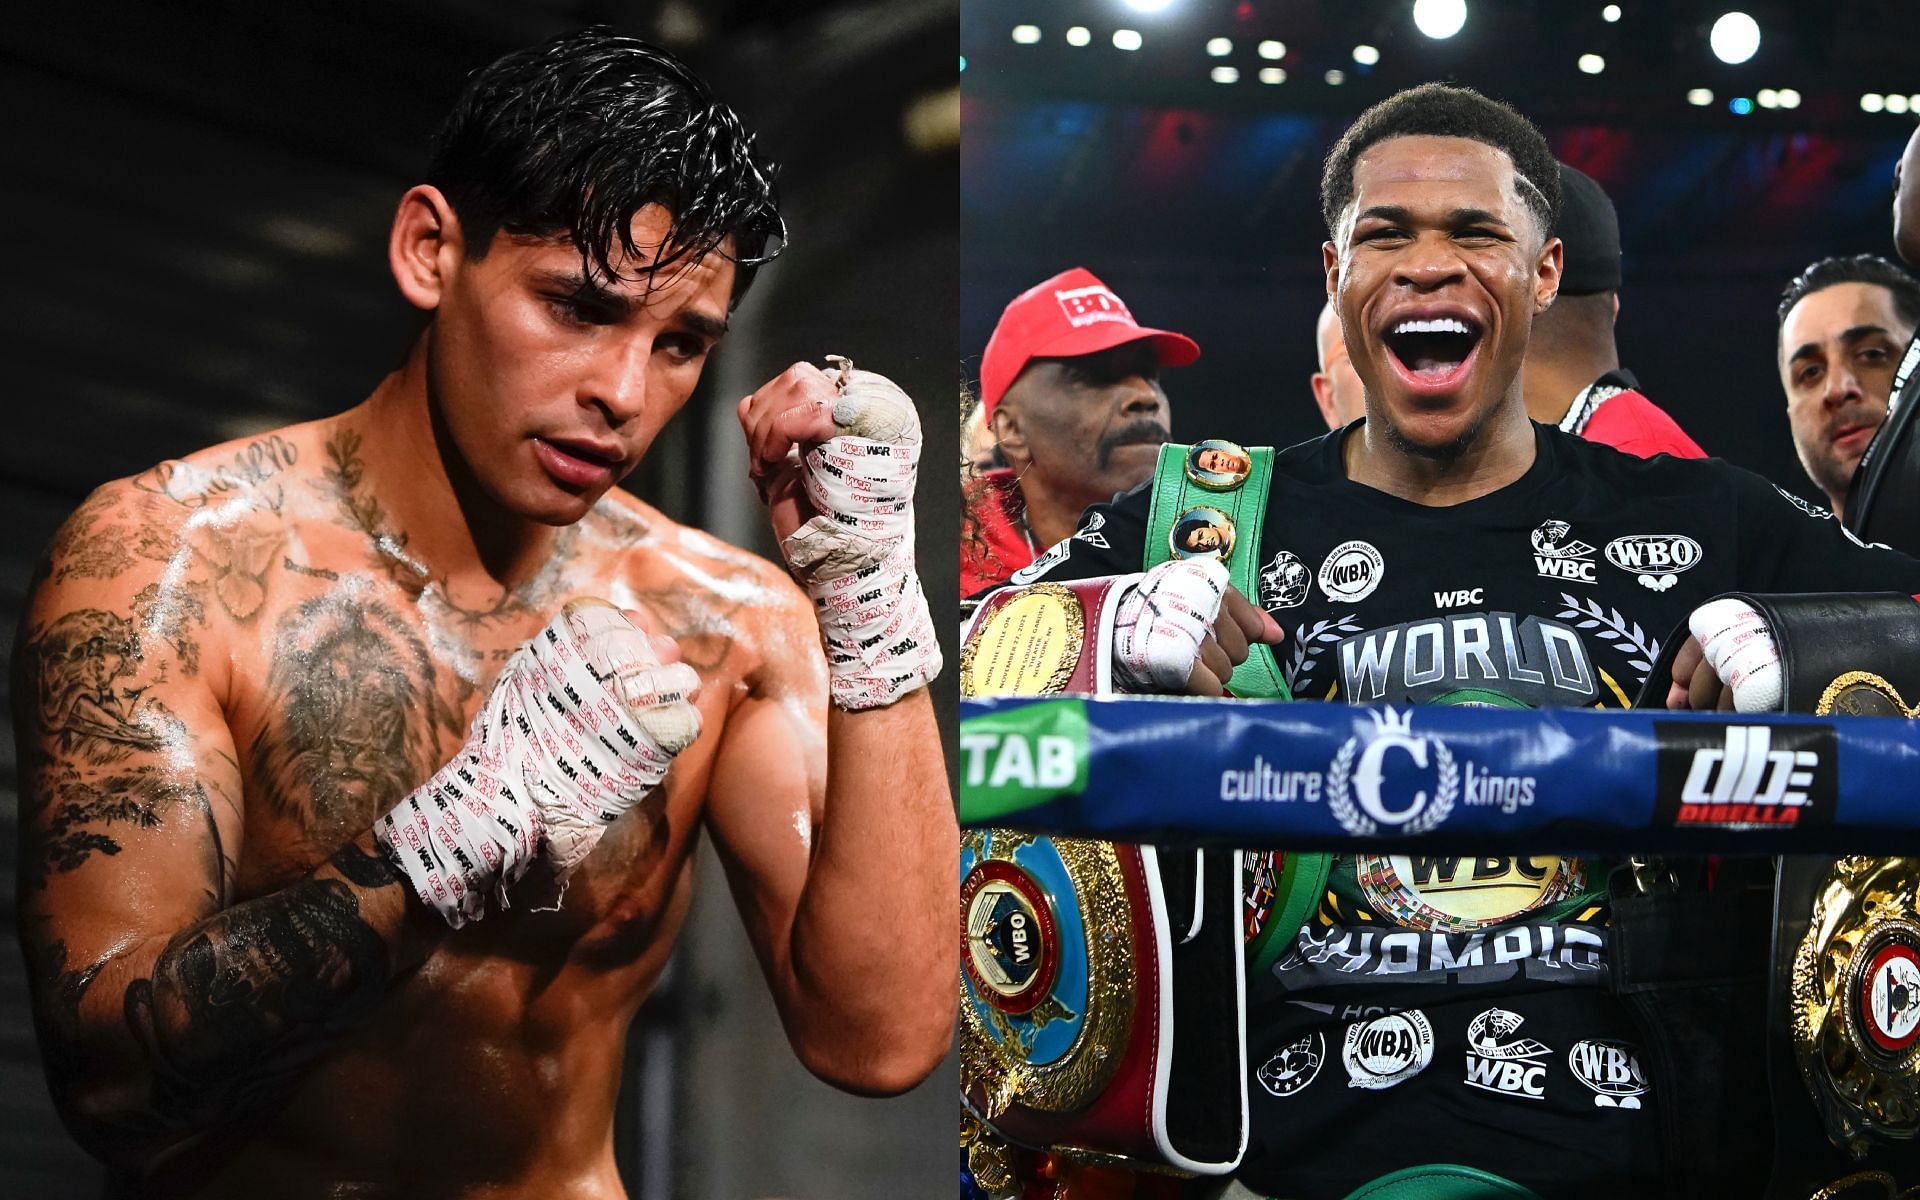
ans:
(1455, 1009)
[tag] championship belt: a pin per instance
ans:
(1221, 485)
(1042, 640)
(1077, 958)
(1844, 1008)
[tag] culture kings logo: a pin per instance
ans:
(1727, 776)
(1357, 791)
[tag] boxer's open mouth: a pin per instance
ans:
(1433, 353)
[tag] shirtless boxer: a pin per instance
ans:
(249, 978)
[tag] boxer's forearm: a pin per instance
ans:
(874, 951)
(208, 1022)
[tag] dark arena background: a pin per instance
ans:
(1174, 148)
(196, 211)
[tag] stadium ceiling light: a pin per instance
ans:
(1336, 77)
(1127, 39)
(1740, 106)
(1439, 19)
(1026, 35)
(1592, 64)
(1273, 75)
(1896, 103)
(1789, 98)
(1366, 55)
(1700, 97)
(1735, 38)
(1273, 50)
(1767, 98)
(1149, 6)
(1872, 102)
(1226, 74)
(1219, 47)
(1078, 35)
(1610, 13)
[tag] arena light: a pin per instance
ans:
(1740, 106)
(1079, 35)
(1735, 38)
(1336, 77)
(1439, 19)
(1700, 97)
(1149, 6)
(1610, 13)
(1273, 50)
(1592, 64)
(1219, 47)
(1366, 55)
(1127, 39)
(1896, 103)
(1767, 98)
(1026, 35)
(963, 62)
(1789, 98)
(1226, 74)
(1273, 75)
(1872, 102)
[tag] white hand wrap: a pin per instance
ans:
(581, 725)
(1740, 649)
(1161, 622)
(855, 560)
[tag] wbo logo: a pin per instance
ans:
(1357, 792)
(1656, 559)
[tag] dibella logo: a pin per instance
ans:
(1715, 775)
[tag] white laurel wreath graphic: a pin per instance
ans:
(1340, 802)
(1625, 636)
(1444, 790)
(1321, 633)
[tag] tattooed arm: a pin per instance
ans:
(162, 1007)
(842, 851)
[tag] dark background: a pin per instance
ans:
(1198, 202)
(195, 218)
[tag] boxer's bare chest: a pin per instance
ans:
(355, 671)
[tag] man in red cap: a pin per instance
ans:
(1070, 385)
(1573, 376)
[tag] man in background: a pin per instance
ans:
(1070, 388)
(1844, 323)
(1573, 376)
(1336, 387)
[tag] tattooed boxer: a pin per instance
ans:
(352, 838)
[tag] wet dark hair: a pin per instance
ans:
(1442, 110)
(571, 138)
(1855, 268)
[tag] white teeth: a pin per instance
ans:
(1441, 325)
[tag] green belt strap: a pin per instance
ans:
(1442, 1181)
(1246, 506)
(1303, 876)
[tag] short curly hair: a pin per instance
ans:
(1856, 268)
(1443, 110)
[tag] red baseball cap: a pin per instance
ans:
(1065, 317)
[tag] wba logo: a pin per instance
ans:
(1382, 1052)
(1745, 776)
(1351, 572)
(1610, 1070)
(1557, 554)
(1501, 1062)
